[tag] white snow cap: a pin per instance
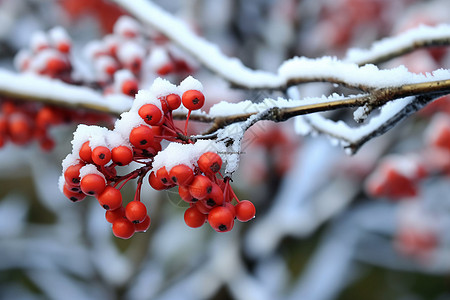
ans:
(163, 87)
(39, 61)
(144, 97)
(119, 78)
(94, 49)
(187, 154)
(190, 83)
(90, 169)
(94, 134)
(38, 41)
(126, 123)
(158, 58)
(70, 160)
(126, 27)
(129, 51)
(22, 58)
(57, 35)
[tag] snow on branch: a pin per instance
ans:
(391, 47)
(296, 70)
(30, 87)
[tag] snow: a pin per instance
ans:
(53, 90)
(21, 59)
(57, 35)
(158, 58)
(349, 134)
(38, 41)
(162, 87)
(120, 77)
(129, 51)
(70, 160)
(190, 83)
(94, 49)
(144, 97)
(368, 75)
(90, 169)
(244, 107)
(187, 154)
(403, 40)
(125, 26)
(297, 68)
(128, 121)
(92, 133)
(115, 139)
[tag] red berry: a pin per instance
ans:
(135, 211)
(156, 183)
(56, 65)
(130, 87)
(141, 136)
(181, 175)
(63, 46)
(72, 174)
(194, 218)
(193, 99)
(122, 155)
(20, 129)
(92, 184)
(245, 211)
(215, 197)
(101, 155)
(110, 198)
(210, 163)
(165, 69)
(112, 215)
(200, 187)
(163, 176)
(86, 152)
(221, 219)
(72, 195)
(183, 191)
(144, 225)
(151, 114)
(46, 117)
(173, 101)
(122, 228)
(201, 206)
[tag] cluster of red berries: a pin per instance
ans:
(48, 55)
(91, 168)
(398, 176)
(118, 62)
(23, 122)
(209, 197)
(127, 48)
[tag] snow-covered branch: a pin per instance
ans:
(293, 71)
(30, 87)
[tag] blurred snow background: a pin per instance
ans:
(317, 235)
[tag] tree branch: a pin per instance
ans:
(240, 76)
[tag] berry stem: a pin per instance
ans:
(187, 121)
